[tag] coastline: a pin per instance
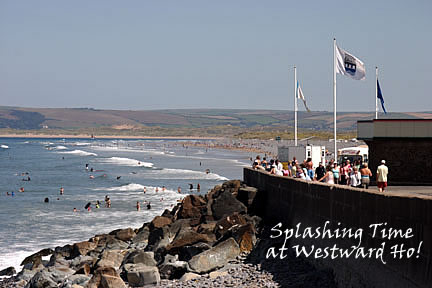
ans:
(86, 136)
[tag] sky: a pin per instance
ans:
(156, 54)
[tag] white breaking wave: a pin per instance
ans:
(4, 146)
(127, 149)
(81, 144)
(169, 173)
(129, 187)
(60, 147)
(125, 162)
(79, 152)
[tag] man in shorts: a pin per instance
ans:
(381, 177)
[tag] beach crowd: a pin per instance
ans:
(354, 174)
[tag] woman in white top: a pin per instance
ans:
(328, 176)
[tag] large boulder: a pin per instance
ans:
(106, 277)
(110, 258)
(226, 204)
(140, 257)
(82, 248)
(193, 206)
(215, 257)
(188, 236)
(186, 253)
(42, 279)
(227, 222)
(171, 268)
(159, 222)
(124, 234)
(35, 259)
(139, 275)
(8, 271)
(247, 195)
(142, 236)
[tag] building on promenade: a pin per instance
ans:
(405, 144)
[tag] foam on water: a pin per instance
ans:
(125, 162)
(171, 173)
(127, 149)
(60, 147)
(79, 153)
(4, 146)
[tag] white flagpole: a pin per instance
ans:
(295, 106)
(334, 98)
(376, 92)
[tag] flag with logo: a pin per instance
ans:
(349, 65)
(301, 96)
(380, 97)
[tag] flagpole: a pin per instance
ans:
(295, 105)
(334, 98)
(376, 92)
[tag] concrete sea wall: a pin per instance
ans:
(292, 201)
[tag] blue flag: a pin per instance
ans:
(379, 95)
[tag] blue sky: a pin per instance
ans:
(212, 54)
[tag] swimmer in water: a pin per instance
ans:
(91, 177)
(157, 189)
(61, 191)
(138, 207)
(179, 189)
(118, 177)
(148, 206)
(75, 210)
(163, 188)
(86, 167)
(198, 187)
(21, 189)
(190, 186)
(145, 189)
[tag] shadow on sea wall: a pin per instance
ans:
(394, 247)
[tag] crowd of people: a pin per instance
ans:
(354, 174)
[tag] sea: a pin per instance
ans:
(117, 168)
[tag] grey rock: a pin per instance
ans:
(8, 271)
(142, 236)
(140, 275)
(225, 205)
(42, 279)
(189, 276)
(140, 257)
(171, 268)
(215, 257)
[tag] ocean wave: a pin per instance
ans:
(128, 187)
(81, 143)
(4, 146)
(79, 152)
(60, 147)
(170, 173)
(125, 162)
(127, 149)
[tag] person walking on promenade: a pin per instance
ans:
(365, 176)
(320, 171)
(355, 179)
(381, 176)
(336, 174)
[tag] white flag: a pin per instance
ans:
(349, 65)
(301, 96)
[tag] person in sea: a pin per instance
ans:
(145, 189)
(21, 189)
(179, 189)
(107, 202)
(138, 206)
(198, 187)
(148, 206)
(75, 210)
(61, 190)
